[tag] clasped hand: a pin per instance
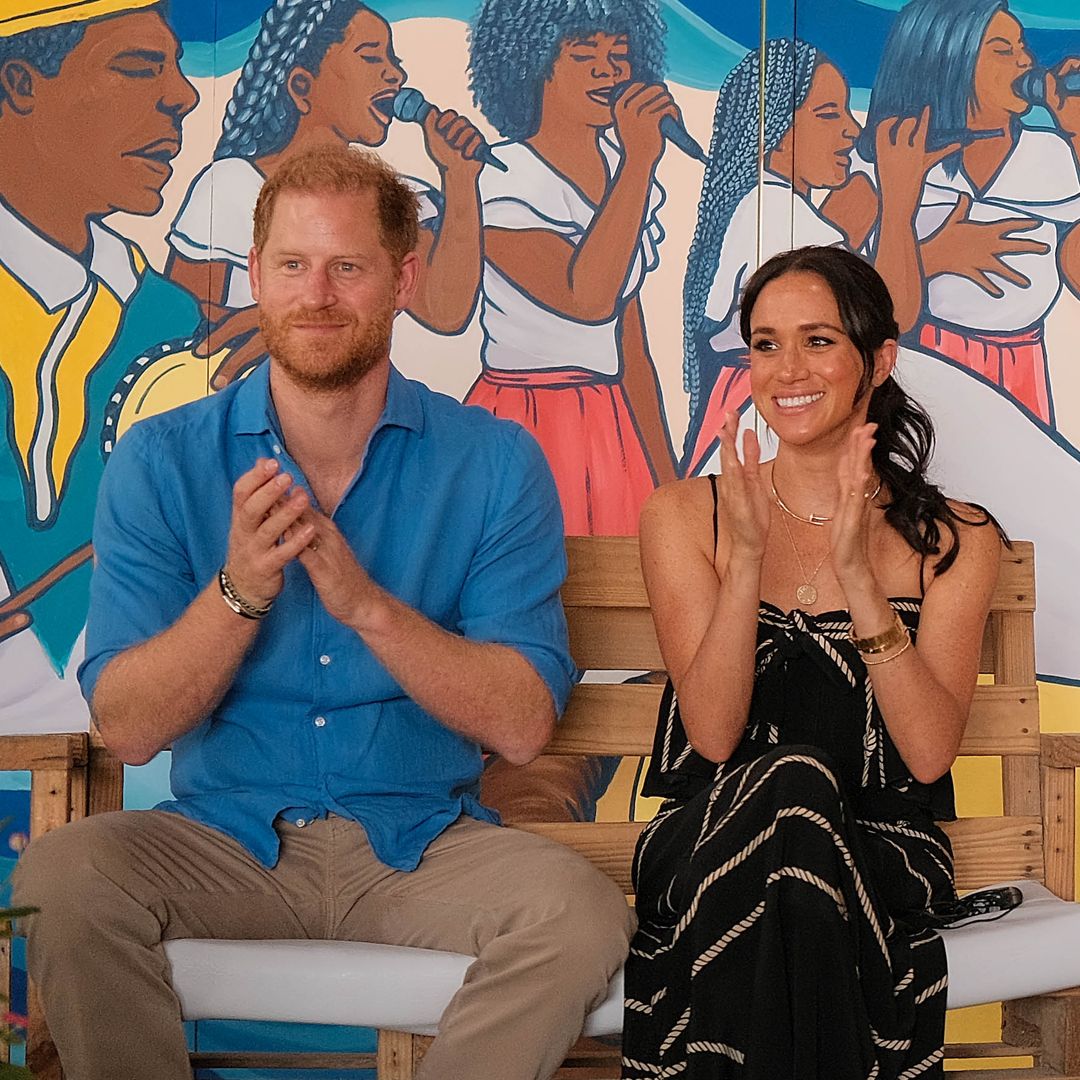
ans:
(745, 502)
(274, 522)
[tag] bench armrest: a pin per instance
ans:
(57, 765)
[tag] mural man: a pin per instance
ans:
(91, 105)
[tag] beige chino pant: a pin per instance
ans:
(547, 928)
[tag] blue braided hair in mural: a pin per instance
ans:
(929, 59)
(261, 118)
(733, 171)
(513, 45)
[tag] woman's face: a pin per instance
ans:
(816, 150)
(805, 372)
(1003, 58)
(585, 71)
(355, 74)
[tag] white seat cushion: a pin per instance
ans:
(1031, 950)
(332, 982)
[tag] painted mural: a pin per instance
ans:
(597, 179)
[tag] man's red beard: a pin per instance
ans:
(337, 362)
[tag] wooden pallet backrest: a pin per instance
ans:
(611, 629)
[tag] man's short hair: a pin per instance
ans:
(345, 170)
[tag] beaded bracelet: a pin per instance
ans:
(236, 602)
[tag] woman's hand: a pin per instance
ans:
(849, 531)
(903, 159)
(744, 502)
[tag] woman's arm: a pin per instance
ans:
(706, 612)
(925, 692)
(643, 392)
(585, 282)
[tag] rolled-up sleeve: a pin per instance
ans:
(511, 592)
(142, 580)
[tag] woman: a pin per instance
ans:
(570, 232)
(805, 741)
(996, 218)
(316, 73)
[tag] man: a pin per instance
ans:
(387, 603)
(79, 305)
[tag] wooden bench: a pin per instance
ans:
(611, 629)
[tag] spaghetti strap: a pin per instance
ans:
(715, 515)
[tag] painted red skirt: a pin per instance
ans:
(1015, 362)
(584, 424)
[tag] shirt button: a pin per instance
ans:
(300, 822)
(324, 659)
(277, 449)
(320, 721)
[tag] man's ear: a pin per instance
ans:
(408, 276)
(253, 272)
(17, 86)
(299, 86)
(884, 362)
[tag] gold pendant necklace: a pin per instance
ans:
(806, 594)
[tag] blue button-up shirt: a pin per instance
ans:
(452, 511)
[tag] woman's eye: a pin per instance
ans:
(820, 341)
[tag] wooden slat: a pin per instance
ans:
(608, 845)
(50, 800)
(269, 1060)
(1003, 720)
(1059, 836)
(42, 751)
(1060, 750)
(606, 572)
(989, 1050)
(613, 638)
(617, 718)
(106, 778)
(989, 850)
(612, 718)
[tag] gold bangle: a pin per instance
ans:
(238, 603)
(870, 646)
(886, 659)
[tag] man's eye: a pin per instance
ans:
(141, 72)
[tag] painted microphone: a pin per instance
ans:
(411, 106)
(938, 140)
(1031, 86)
(671, 129)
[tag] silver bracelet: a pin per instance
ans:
(236, 602)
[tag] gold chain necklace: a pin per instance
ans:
(806, 594)
(813, 519)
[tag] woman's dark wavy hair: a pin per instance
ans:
(917, 509)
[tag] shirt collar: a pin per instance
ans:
(54, 275)
(254, 412)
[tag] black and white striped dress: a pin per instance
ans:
(778, 893)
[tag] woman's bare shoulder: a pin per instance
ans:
(681, 506)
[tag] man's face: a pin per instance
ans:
(327, 288)
(110, 120)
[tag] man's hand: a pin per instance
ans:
(342, 583)
(266, 532)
